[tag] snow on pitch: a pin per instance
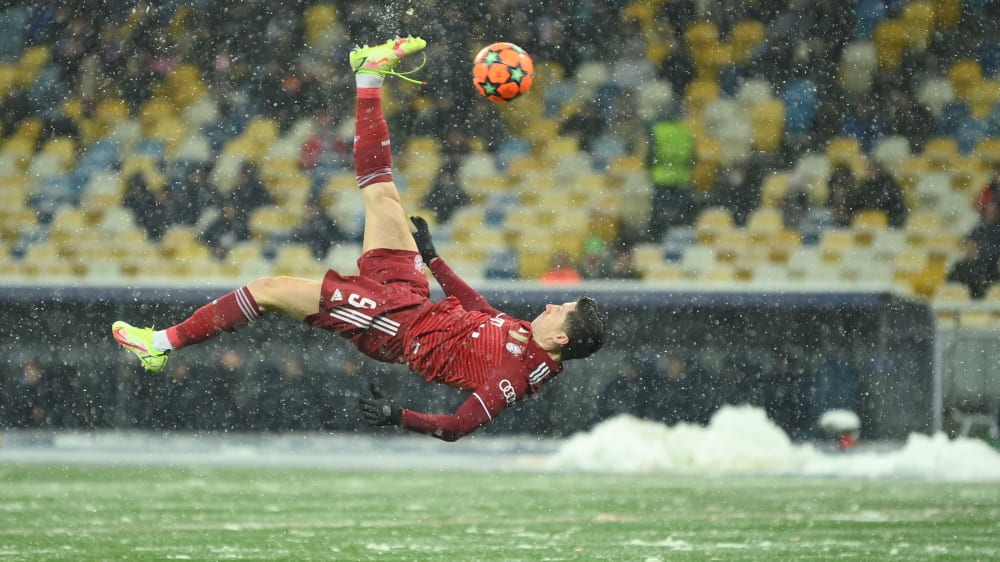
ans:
(741, 440)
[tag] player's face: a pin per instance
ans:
(552, 320)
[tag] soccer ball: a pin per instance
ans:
(502, 72)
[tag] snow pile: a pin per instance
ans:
(741, 440)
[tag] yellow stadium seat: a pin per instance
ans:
(767, 121)
(983, 97)
(662, 272)
(701, 34)
(889, 39)
(834, 243)
(711, 59)
(922, 226)
(918, 20)
(964, 75)
(843, 150)
(766, 221)
(267, 221)
(866, 225)
(711, 223)
(731, 245)
(698, 95)
(320, 21)
(908, 263)
(719, 273)
(783, 245)
(33, 59)
(181, 242)
(533, 262)
(744, 37)
(297, 260)
(950, 294)
(947, 13)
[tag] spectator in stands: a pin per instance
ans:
(446, 195)
(880, 192)
(909, 118)
(670, 159)
(216, 384)
(325, 149)
(676, 67)
(249, 191)
(230, 227)
(974, 269)
(504, 263)
(176, 413)
(737, 188)
(630, 392)
(194, 194)
(585, 124)
(682, 391)
(797, 203)
(561, 270)
(621, 264)
(594, 263)
(150, 207)
(839, 189)
(991, 191)
(978, 268)
(29, 399)
(318, 230)
(786, 395)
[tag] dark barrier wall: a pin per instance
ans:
(671, 356)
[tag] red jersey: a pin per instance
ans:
(460, 341)
(463, 341)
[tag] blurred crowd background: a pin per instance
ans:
(757, 143)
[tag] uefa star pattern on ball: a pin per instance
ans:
(502, 72)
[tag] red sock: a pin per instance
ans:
(227, 313)
(372, 153)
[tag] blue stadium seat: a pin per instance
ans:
(814, 224)
(989, 59)
(993, 124)
(56, 191)
(801, 100)
(606, 148)
(969, 133)
(953, 114)
(502, 264)
(102, 156)
(868, 15)
(151, 147)
(13, 23)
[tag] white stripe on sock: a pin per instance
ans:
(161, 342)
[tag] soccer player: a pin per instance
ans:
(386, 311)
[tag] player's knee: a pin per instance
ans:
(380, 193)
(266, 291)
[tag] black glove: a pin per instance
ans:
(379, 410)
(423, 239)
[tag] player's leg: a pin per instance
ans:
(294, 297)
(385, 220)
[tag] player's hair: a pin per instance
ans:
(585, 330)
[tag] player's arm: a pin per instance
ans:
(485, 404)
(450, 282)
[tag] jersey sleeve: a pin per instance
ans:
(455, 286)
(485, 404)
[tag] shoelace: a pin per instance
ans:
(402, 75)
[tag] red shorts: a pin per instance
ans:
(374, 308)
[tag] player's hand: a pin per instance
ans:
(423, 239)
(379, 410)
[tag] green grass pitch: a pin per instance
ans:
(50, 512)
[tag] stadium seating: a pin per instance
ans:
(58, 186)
